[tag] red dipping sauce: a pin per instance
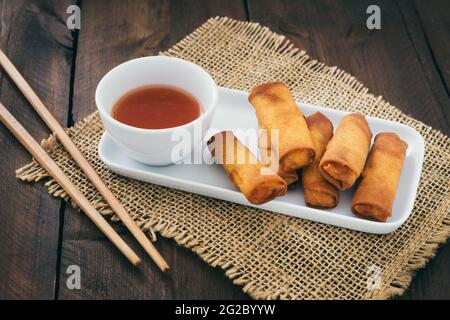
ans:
(156, 107)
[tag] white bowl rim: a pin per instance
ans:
(164, 130)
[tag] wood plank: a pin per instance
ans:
(111, 33)
(393, 61)
(431, 68)
(432, 282)
(427, 23)
(385, 60)
(435, 21)
(36, 39)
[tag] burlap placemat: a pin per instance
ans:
(272, 255)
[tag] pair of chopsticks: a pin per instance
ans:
(52, 168)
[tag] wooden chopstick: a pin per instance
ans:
(85, 166)
(52, 168)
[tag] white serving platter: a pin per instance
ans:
(235, 112)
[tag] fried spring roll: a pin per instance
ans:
(318, 191)
(346, 153)
(276, 109)
(266, 158)
(375, 194)
(289, 176)
(244, 170)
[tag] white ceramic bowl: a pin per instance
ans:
(155, 146)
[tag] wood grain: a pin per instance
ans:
(432, 65)
(58, 131)
(105, 41)
(434, 18)
(406, 61)
(385, 60)
(394, 61)
(41, 156)
(30, 217)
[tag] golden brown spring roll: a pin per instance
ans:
(289, 176)
(266, 153)
(318, 191)
(244, 170)
(375, 194)
(276, 109)
(346, 153)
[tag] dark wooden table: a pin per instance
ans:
(407, 62)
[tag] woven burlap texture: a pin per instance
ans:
(270, 255)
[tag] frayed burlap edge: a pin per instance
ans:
(34, 172)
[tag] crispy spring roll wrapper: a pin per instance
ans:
(375, 194)
(318, 191)
(266, 153)
(289, 176)
(276, 109)
(244, 170)
(346, 153)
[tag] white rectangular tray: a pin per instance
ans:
(235, 112)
